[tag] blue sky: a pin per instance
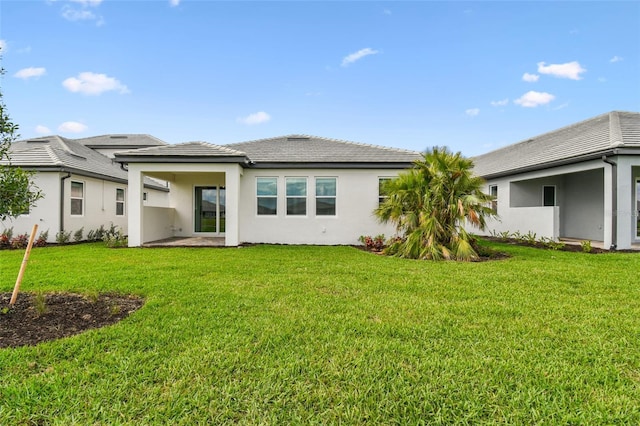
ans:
(473, 76)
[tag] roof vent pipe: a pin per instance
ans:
(614, 202)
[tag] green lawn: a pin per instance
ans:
(333, 335)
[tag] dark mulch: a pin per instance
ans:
(30, 321)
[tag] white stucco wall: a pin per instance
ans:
(520, 203)
(356, 198)
(99, 205)
(46, 213)
(182, 178)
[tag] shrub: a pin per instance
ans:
(5, 238)
(373, 243)
(20, 241)
(586, 246)
(41, 241)
(63, 237)
(114, 237)
(77, 236)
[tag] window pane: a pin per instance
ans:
(267, 186)
(326, 187)
(77, 189)
(549, 196)
(297, 206)
(76, 206)
(267, 205)
(381, 186)
(296, 187)
(119, 209)
(119, 194)
(325, 207)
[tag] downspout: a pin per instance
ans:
(62, 179)
(614, 201)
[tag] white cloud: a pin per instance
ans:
(386, 12)
(532, 99)
(30, 72)
(570, 70)
(3, 46)
(472, 112)
(256, 118)
(564, 105)
(616, 59)
(93, 3)
(502, 102)
(42, 130)
(530, 78)
(71, 14)
(602, 80)
(72, 127)
(349, 59)
(89, 83)
(174, 3)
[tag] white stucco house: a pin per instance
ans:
(83, 186)
(578, 182)
(294, 189)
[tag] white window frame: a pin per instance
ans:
(493, 191)
(288, 197)
(326, 197)
(274, 197)
(382, 198)
(82, 198)
(123, 202)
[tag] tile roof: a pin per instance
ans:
(121, 140)
(187, 149)
(572, 143)
(307, 149)
(58, 153)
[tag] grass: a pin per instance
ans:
(333, 335)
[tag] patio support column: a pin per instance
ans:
(135, 206)
(232, 227)
(626, 210)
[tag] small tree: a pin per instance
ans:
(430, 203)
(17, 191)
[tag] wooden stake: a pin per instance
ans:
(25, 259)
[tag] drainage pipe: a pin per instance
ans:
(62, 179)
(614, 202)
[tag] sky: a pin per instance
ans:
(472, 76)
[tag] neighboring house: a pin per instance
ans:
(287, 190)
(83, 187)
(579, 182)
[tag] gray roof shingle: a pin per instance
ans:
(304, 149)
(572, 143)
(187, 149)
(58, 153)
(125, 141)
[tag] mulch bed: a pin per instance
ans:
(34, 319)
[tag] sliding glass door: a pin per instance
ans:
(210, 209)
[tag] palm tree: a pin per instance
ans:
(430, 203)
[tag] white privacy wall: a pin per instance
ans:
(356, 198)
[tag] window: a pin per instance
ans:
(267, 194)
(325, 196)
(119, 202)
(144, 196)
(493, 191)
(296, 196)
(382, 191)
(548, 196)
(77, 198)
